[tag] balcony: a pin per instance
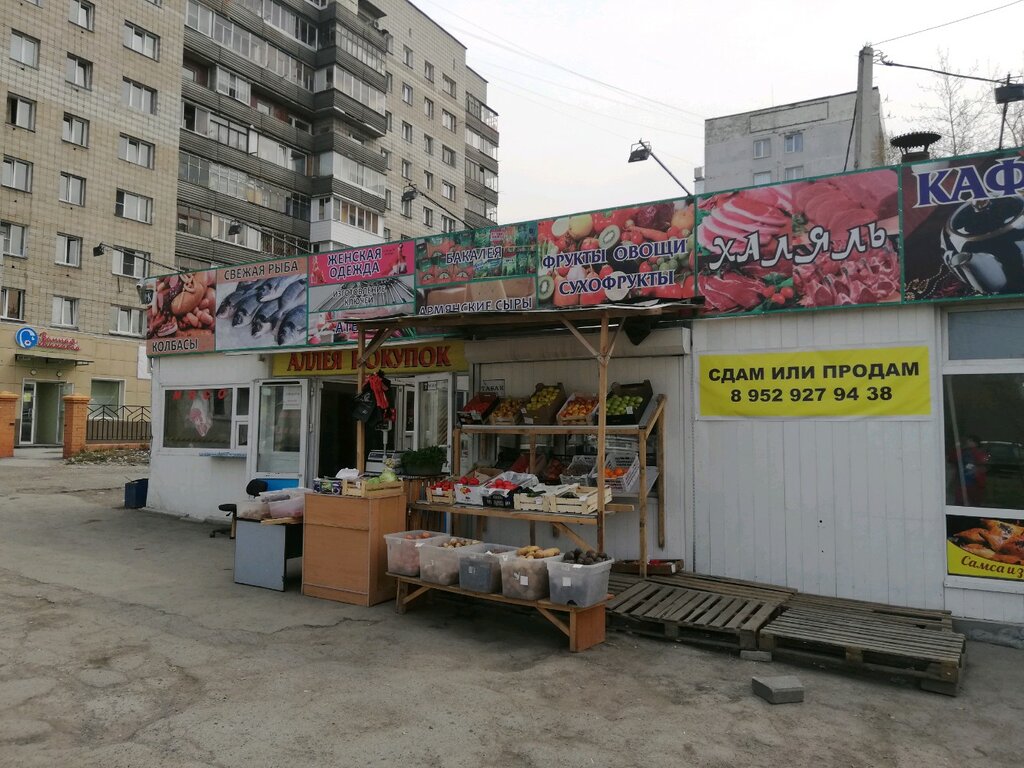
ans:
(366, 29)
(329, 185)
(331, 103)
(243, 161)
(336, 55)
(476, 124)
(476, 156)
(476, 221)
(369, 156)
(482, 191)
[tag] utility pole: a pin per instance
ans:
(863, 139)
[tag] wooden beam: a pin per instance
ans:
(580, 337)
(360, 381)
(382, 335)
(554, 620)
(615, 338)
(602, 428)
(660, 482)
(580, 542)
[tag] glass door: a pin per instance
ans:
(28, 400)
(281, 433)
(434, 411)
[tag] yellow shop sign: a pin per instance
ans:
(437, 357)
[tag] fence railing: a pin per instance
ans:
(118, 424)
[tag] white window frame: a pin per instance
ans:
(82, 14)
(428, 71)
(134, 151)
(762, 148)
(69, 183)
(133, 319)
(24, 47)
(762, 177)
(447, 152)
(135, 95)
(9, 175)
(68, 252)
(448, 120)
(428, 144)
(448, 190)
(447, 223)
(64, 306)
(120, 391)
(81, 74)
(8, 242)
(448, 85)
(407, 95)
(793, 173)
(407, 170)
(21, 112)
(141, 41)
(790, 142)
(428, 181)
(237, 419)
(407, 55)
(407, 208)
(428, 216)
(75, 130)
(140, 261)
(5, 303)
(232, 85)
(428, 107)
(141, 205)
(407, 131)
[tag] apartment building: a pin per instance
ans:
(89, 142)
(785, 143)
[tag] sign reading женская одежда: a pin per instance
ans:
(837, 383)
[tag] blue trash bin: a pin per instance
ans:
(135, 493)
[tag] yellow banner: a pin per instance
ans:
(437, 357)
(959, 562)
(887, 381)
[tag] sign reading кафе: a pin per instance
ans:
(439, 357)
(850, 383)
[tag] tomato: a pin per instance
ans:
(606, 270)
(601, 221)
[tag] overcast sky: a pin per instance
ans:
(659, 68)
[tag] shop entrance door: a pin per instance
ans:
(336, 429)
(434, 411)
(282, 433)
(42, 412)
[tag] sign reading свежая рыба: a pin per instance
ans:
(839, 383)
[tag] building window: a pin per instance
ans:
(428, 144)
(72, 189)
(129, 263)
(69, 251)
(387, 234)
(106, 393)
(428, 180)
(138, 96)
(448, 191)
(65, 311)
(448, 85)
(447, 223)
(21, 112)
(78, 71)
(193, 221)
(795, 172)
(407, 208)
(136, 151)
(407, 55)
(478, 142)
(81, 13)
(389, 121)
(12, 304)
(135, 207)
(481, 174)
(448, 120)
(428, 217)
(448, 155)
(428, 71)
(387, 199)
(206, 418)
(13, 239)
(794, 142)
(75, 130)
(407, 131)
(386, 154)
(407, 93)
(126, 322)
(24, 49)
(388, 82)
(406, 169)
(762, 148)
(17, 174)
(764, 177)
(232, 85)
(428, 108)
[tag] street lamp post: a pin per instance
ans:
(145, 294)
(411, 192)
(642, 150)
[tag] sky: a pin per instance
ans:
(576, 82)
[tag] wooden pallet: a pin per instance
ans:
(919, 617)
(678, 613)
(724, 586)
(620, 582)
(864, 641)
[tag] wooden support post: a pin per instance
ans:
(660, 426)
(642, 500)
(360, 380)
(602, 427)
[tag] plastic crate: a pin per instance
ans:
(480, 570)
(404, 553)
(581, 470)
(627, 483)
(581, 585)
(524, 578)
(440, 564)
(135, 492)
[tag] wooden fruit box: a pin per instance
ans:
(584, 502)
(440, 495)
(544, 502)
(360, 488)
(583, 420)
(516, 416)
(545, 415)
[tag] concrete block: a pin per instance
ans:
(785, 689)
(755, 655)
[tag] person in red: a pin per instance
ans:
(971, 464)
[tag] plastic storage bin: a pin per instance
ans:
(573, 584)
(135, 493)
(440, 564)
(480, 570)
(525, 579)
(404, 550)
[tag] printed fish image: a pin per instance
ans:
(294, 294)
(266, 317)
(271, 289)
(293, 327)
(244, 311)
(232, 300)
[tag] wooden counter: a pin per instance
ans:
(344, 554)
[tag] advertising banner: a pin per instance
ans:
(838, 383)
(963, 224)
(640, 252)
(375, 281)
(479, 270)
(262, 305)
(180, 317)
(827, 242)
(985, 547)
(434, 357)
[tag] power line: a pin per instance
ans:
(888, 63)
(946, 24)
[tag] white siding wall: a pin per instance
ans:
(833, 507)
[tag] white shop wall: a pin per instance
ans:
(525, 362)
(182, 482)
(849, 508)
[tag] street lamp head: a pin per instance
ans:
(234, 228)
(1010, 92)
(409, 193)
(639, 151)
(99, 249)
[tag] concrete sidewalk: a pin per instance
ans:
(124, 642)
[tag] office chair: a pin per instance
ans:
(254, 489)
